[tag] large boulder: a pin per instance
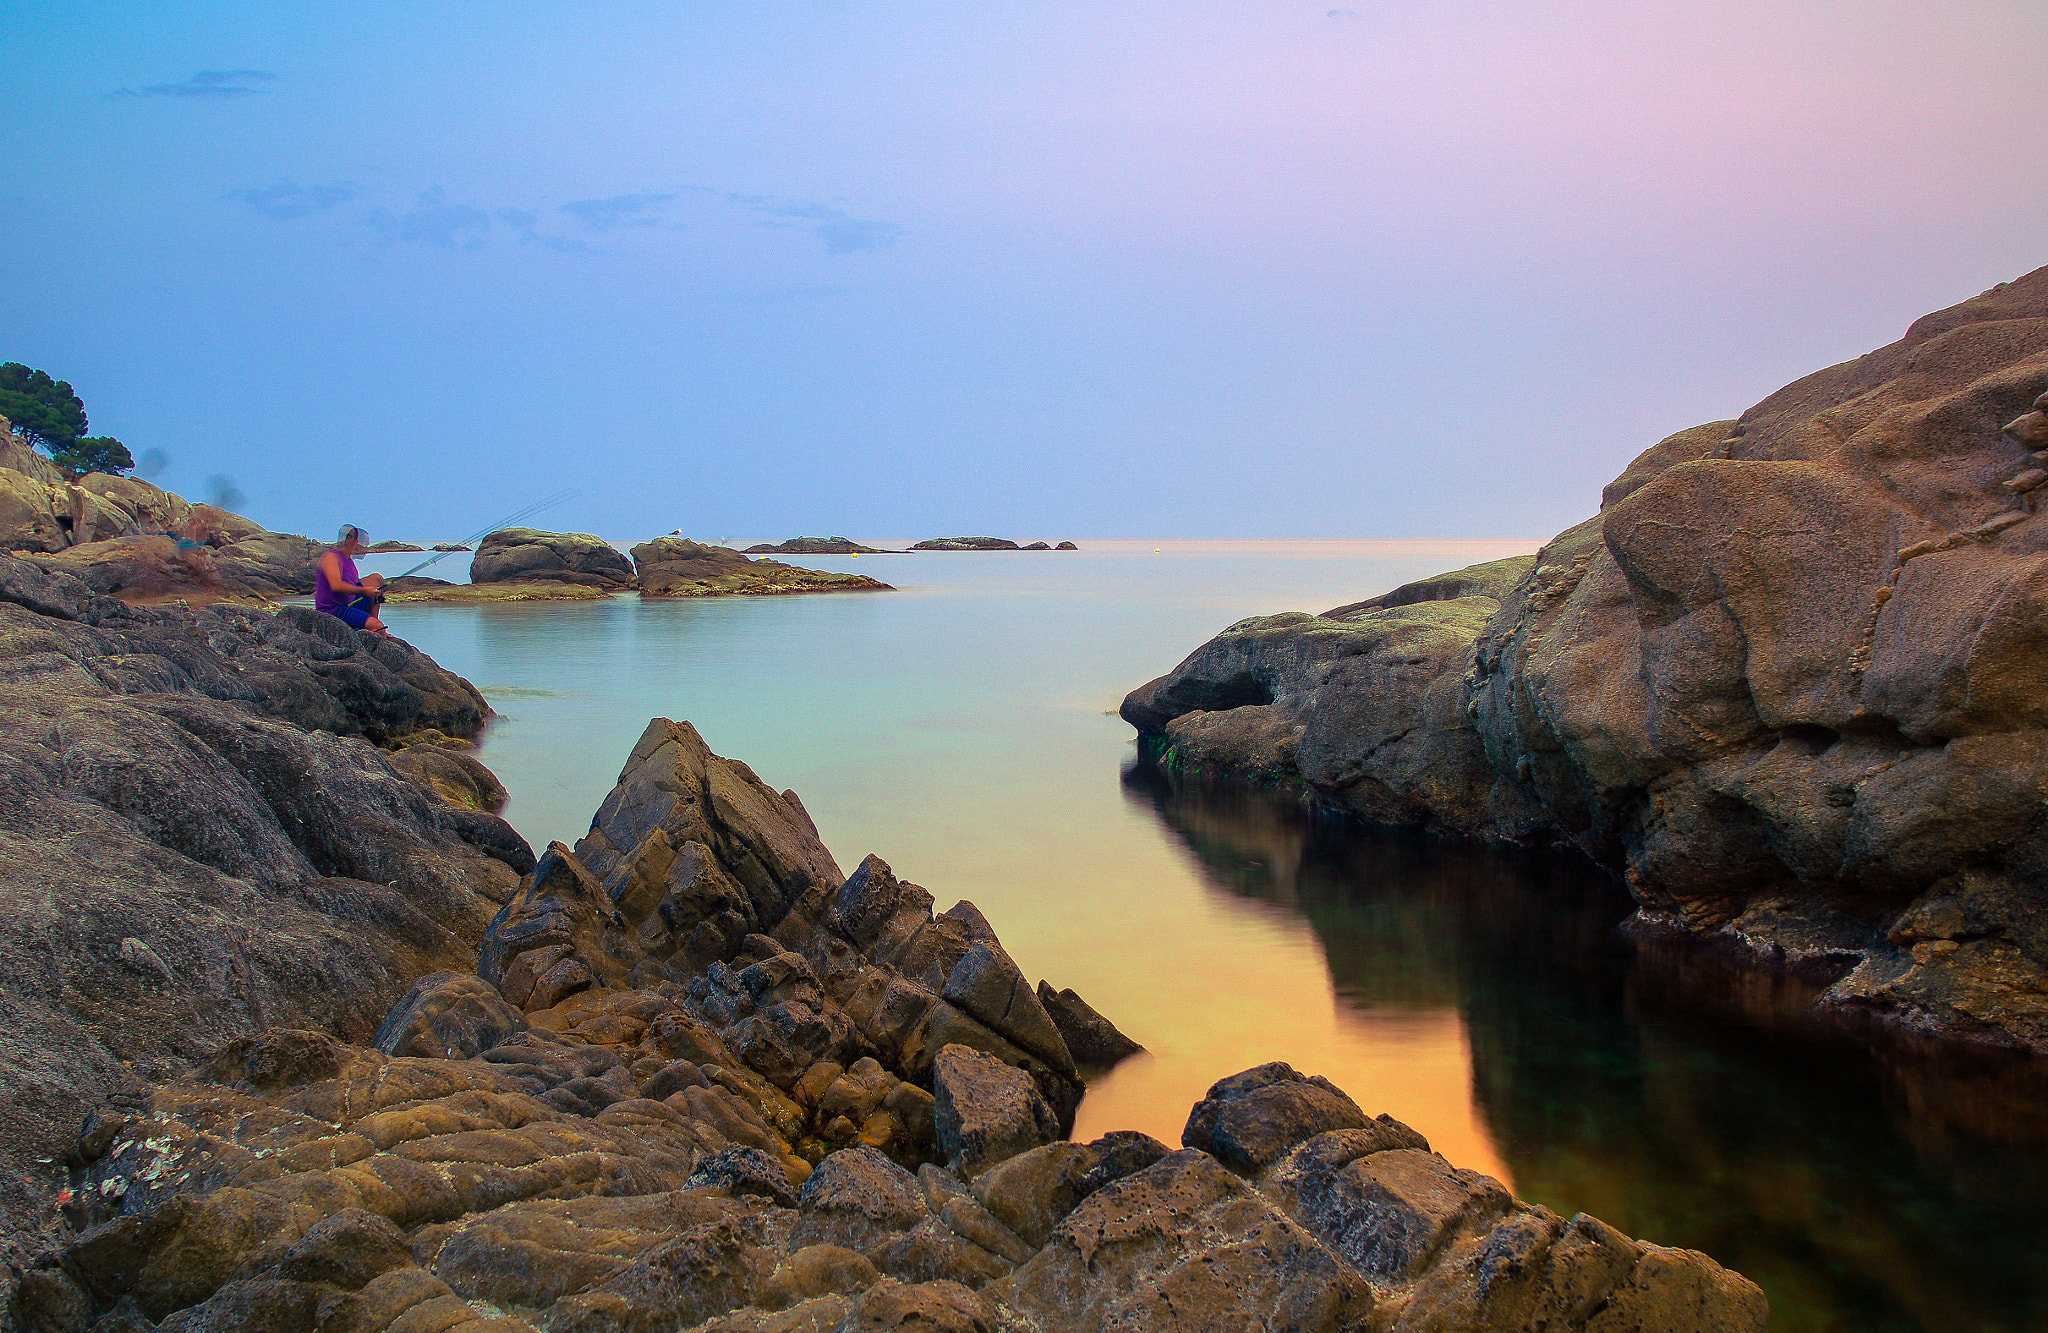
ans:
(526, 555)
(1788, 683)
(1249, 1119)
(986, 1111)
(448, 1016)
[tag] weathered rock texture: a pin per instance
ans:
(569, 1180)
(1791, 682)
(678, 567)
(526, 555)
(202, 840)
(700, 1080)
(123, 537)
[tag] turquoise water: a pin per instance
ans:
(964, 728)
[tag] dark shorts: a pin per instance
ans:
(353, 615)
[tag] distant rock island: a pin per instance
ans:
(986, 544)
(818, 546)
(1790, 684)
(678, 567)
(526, 565)
(385, 548)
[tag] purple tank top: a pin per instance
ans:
(325, 599)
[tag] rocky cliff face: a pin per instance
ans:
(1790, 682)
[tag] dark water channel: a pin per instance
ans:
(1887, 1185)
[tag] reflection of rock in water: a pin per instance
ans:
(1661, 1087)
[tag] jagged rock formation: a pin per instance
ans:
(850, 1121)
(966, 544)
(1790, 682)
(202, 840)
(111, 534)
(527, 555)
(678, 567)
(816, 546)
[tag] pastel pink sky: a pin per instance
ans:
(1249, 269)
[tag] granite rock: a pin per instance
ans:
(527, 555)
(1788, 684)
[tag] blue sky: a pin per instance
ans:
(1262, 268)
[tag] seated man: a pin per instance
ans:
(339, 591)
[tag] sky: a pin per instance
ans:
(1265, 268)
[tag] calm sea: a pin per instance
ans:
(964, 728)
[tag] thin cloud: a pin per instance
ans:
(286, 200)
(525, 223)
(842, 233)
(216, 84)
(621, 210)
(434, 222)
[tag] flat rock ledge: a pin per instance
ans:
(699, 1079)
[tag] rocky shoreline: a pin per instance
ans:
(1788, 685)
(347, 1055)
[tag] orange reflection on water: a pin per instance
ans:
(1416, 1067)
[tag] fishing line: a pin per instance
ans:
(505, 522)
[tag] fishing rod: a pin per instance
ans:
(506, 522)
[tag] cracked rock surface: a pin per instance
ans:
(1791, 683)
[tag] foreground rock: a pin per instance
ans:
(203, 840)
(526, 555)
(551, 1184)
(816, 546)
(678, 567)
(123, 537)
(1789, 682)
(700, 1079)
(966, 544)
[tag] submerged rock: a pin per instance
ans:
(1789, 683)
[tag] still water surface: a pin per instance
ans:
(964, 729)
